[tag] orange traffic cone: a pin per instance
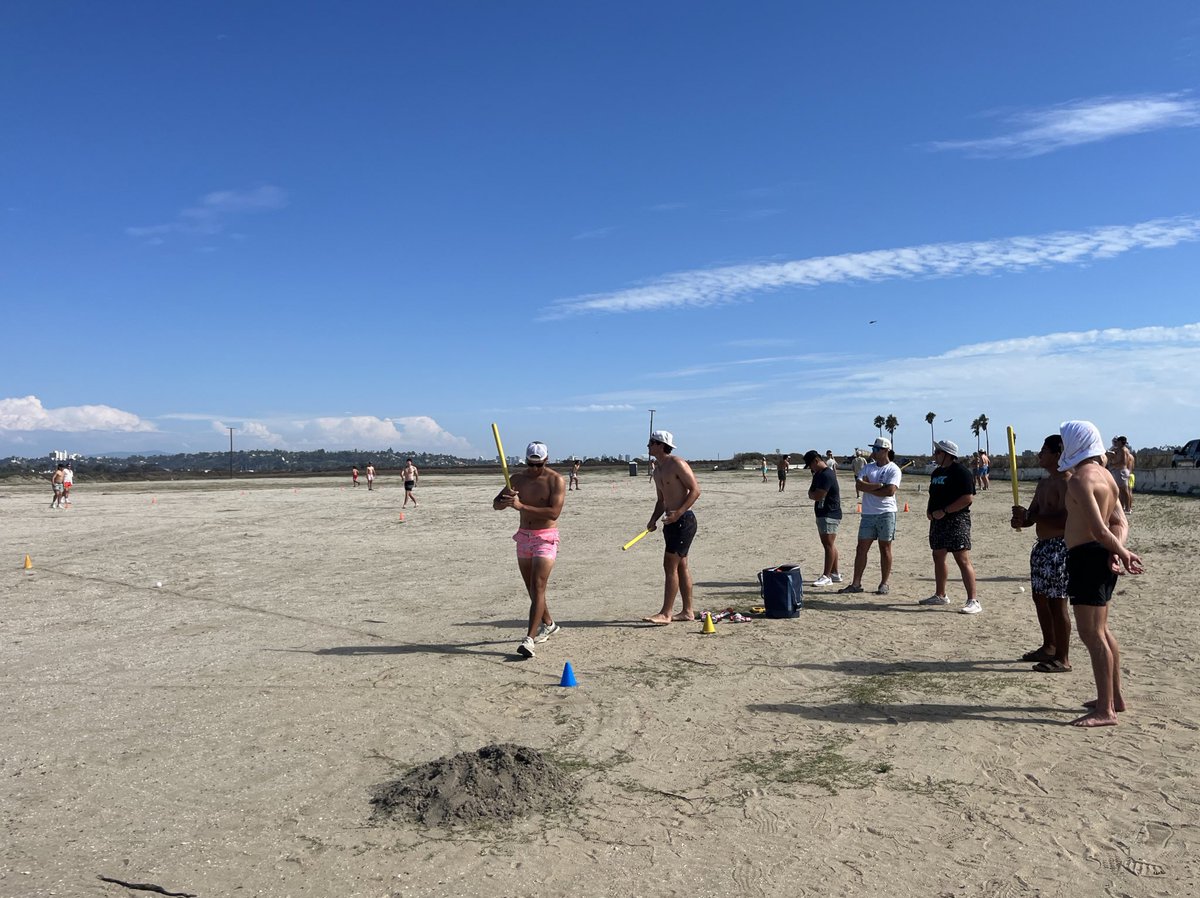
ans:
(28, 563)
(858, 509)
(401, 517)
(906, 506)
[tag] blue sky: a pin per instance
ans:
(381, 225)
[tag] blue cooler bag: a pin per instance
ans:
(782, 590)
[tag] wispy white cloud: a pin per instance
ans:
(667, 207)
(760, 342)
(599, 407)
(1084, 121)
(211, 214)
(1030, 382)
(595, 233)
(252, 431)
(28, 414)
(418, 433)
(715, 286)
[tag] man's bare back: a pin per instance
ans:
(1094, 512)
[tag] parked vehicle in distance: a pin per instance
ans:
(1187, 455)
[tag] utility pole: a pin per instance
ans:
(230, 453)
(649, 466)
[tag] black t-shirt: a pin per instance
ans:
(831, 505)
(949, 484)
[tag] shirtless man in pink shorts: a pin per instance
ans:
(537, 493)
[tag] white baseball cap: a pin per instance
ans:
(536, 451)
(665, 437)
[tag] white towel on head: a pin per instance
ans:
(1081, 440)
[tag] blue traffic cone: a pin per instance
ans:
(568, 677)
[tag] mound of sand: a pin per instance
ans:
(494, 784)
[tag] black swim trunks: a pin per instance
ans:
(1090, 577)
(679, 536)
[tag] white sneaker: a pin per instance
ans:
(972, 607)
(934, 600)
(526, 647)
(836, 578)
(823, 581)
(545, 633)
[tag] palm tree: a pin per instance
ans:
(983, 423)
(890, 426)
(976, 428)
(929, 418)
(879, 422)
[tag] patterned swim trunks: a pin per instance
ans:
(1048, 568)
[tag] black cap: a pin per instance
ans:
(810, 456)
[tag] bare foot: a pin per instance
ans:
(1094, 719)
(659, 620)
(683, 616)
(1118, 705)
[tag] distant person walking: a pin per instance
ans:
(1047, 512)
(985, 465)
(573, 482)
(878, 483)
(68, 482)
(56, 482)
(354, 476)
(763, 463)
(857, 464)
(827, 496)
(371, 476)
(782, 469)
(537, 493)
(951, 492)
(677, 491)
(411, 475)
(831, 462)
(1120, 463)
(1095, 534)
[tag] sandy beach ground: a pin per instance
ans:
(220, 735)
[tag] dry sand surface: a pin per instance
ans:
(223, 734)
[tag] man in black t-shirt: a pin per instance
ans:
(828, 497)
(951, 492)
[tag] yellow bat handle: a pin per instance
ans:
(503, 460)
(634, 540)
(1012, 464)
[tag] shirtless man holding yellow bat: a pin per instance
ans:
(537, 493)
(677, 491)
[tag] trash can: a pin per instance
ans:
(633, 469)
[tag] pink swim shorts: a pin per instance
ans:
(537, 543)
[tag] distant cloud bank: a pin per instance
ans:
(23, 421)
(1085, 121)
(714, 286)
(27, 414)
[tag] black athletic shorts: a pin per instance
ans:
(951, 533)
(679, 536)
(1090, 577)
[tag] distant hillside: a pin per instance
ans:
(255, 461)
